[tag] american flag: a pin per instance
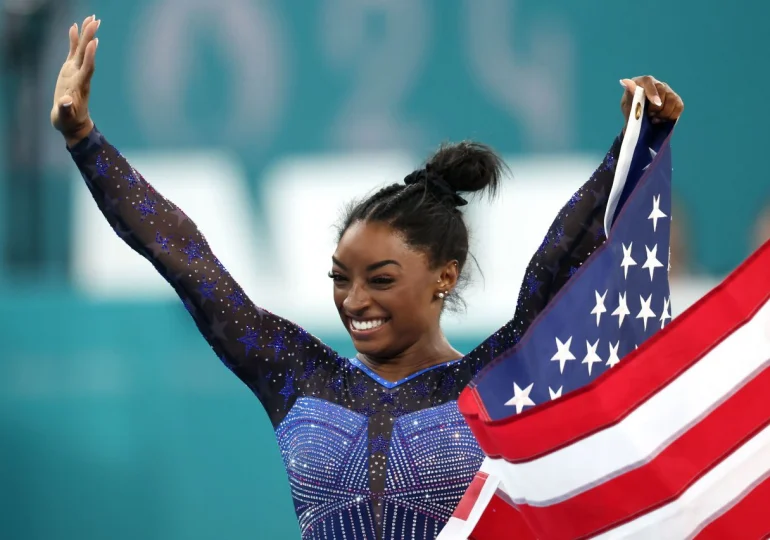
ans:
(615, 301)
(671, 442)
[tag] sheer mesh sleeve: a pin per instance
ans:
(577, 231)
(263, 350)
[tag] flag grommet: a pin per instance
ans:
(638, 111)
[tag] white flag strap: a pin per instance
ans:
(630, 139)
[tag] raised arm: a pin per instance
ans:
(578, 229)
(265, 351)
(575, 233)
(256, 345)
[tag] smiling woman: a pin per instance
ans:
(384, 292)
(400, 256)
(374, 446)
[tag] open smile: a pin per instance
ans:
(366, 327)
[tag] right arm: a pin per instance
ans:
(259, 347)
(264, 351)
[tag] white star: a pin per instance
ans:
(652, 261)
(591, 356)
(521, 397)
(599, 307)
(653, 153)
(656, 213)
(627, 260)
(556, 394)
(613, 360)
(666, 314)
(646, 312)
(622, 310)
(563, 353)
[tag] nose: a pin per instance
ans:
(357, 300)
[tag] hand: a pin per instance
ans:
(69, 114)
(664, 105)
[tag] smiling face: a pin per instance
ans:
(386, 291)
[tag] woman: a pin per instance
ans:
(374, 446)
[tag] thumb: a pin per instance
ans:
(629, 85)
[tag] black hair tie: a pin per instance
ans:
(436, 185)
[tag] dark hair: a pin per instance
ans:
(424, 208)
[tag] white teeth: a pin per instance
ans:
(366, 325)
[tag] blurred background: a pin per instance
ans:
(260, 118)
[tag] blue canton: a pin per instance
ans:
(615, 301)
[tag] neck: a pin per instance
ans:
(420, 356)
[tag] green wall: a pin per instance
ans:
(116, 420)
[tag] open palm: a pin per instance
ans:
(69, 114)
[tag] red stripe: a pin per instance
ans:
(615, 394)
(663, 479)
(468, 501)
(748, 518)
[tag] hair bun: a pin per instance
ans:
(436, 185)
(467, 167)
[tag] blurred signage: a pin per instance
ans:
(281, 254)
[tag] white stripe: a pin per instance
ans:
(458, 529)
(455, 529)
(715, 490)
(625, 156)
(648, 429)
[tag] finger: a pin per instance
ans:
(676, 111)
(669, 107)
(89, 59)
(679, 109)
(85, 23)
(651, 91)
(73, 34)
(88, 35)
(629, 85)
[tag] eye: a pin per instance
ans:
(382, 280)
(336, 277)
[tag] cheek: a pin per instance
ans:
(339, 297)
(414, 303)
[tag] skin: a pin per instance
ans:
(379, 278)
(403, 292)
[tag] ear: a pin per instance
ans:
(447, 278)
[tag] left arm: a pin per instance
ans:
(578, 229)
(576, 232)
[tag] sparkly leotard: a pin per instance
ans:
(366, 458)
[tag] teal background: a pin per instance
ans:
(115, 418)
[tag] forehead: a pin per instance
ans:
(366, 243)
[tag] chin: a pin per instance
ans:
(373, 348)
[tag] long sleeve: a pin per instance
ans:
(265, 351)
(576, 232)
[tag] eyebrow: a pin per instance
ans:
(373, 266)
